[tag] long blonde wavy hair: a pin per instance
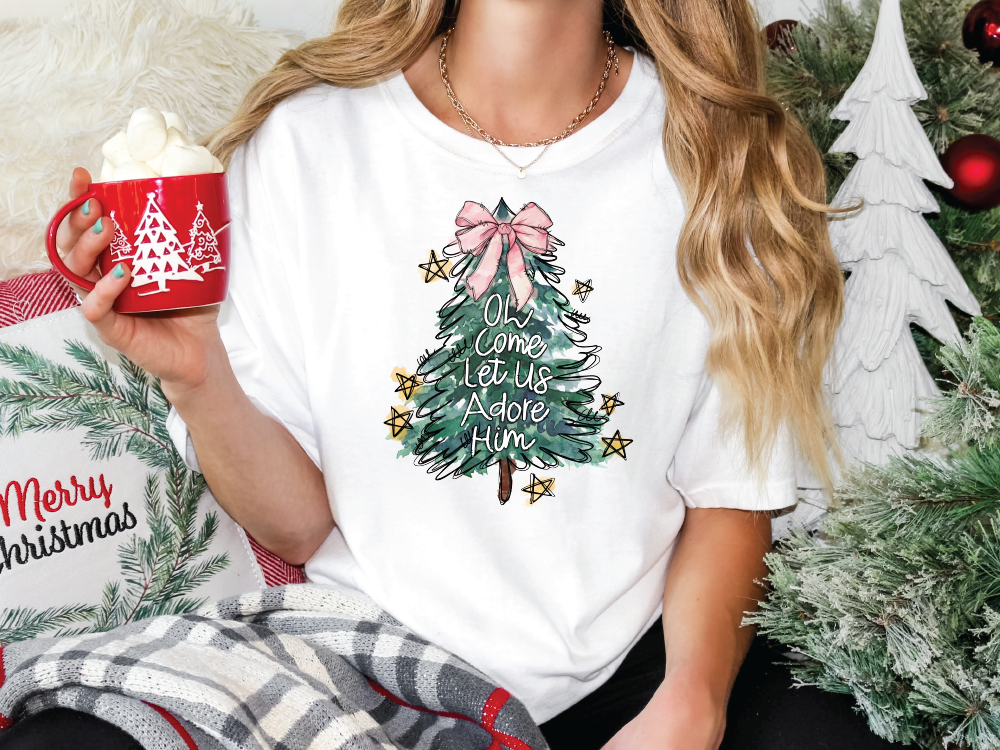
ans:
(749, 174)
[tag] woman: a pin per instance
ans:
(686, 208)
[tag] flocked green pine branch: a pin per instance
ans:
(970, 411)
(896, 601)
(120, 415)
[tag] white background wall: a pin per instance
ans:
(313, 17)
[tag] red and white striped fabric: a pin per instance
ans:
(276, 571)
(27, 297)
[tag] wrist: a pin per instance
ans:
(705, 652)
(705, 688)
(201, 384)
(684, 713)
(698, 704)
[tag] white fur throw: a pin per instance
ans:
(67, 85)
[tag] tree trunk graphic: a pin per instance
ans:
(507, 469)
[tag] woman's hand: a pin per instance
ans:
(178, 347)
(682, 715)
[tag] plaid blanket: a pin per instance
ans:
(301, 666)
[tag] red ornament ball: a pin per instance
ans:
(981, 31)
(973, 162)
(779, 36)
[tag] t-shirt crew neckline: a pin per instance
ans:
(636, 95)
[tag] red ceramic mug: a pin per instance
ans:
(172, 232)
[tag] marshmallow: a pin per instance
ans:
(107, 172)
(174, 138)
(177, 137)
(156, 163)
(134, 170)
(118, 158)
(146, 133)
(174, 120)
(116, 150)
(155, 144)
(186, 160)
(118, 143)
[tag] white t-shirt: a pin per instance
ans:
(411, 386)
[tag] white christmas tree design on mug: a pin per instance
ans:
(120, 247)
(159, 256)
(203, 246)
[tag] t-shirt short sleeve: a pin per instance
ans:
(710, 470)
(259, 320)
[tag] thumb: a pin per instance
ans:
(98, 306)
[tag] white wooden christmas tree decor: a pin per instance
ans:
(159, 255)
(899, 271)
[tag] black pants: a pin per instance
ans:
(763, 713)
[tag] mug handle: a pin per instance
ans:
(54, 256)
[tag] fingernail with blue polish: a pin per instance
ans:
(118, 272)
(98, 227)
(86, 208)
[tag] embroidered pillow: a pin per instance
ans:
(101, 523)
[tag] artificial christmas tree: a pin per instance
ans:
(511, 386)
(159, 254)
(895, 599)
(899, 270)
(898, 602)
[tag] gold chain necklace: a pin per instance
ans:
(474, 128)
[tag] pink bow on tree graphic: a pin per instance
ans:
(482, 235)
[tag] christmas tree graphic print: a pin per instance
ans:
(512, 384)
(159, 255)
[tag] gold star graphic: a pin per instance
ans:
(615, 444)
(582, 289)
(435, 268)
(407, 384)
(539, 488)
(399, 421)
(611, 403)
